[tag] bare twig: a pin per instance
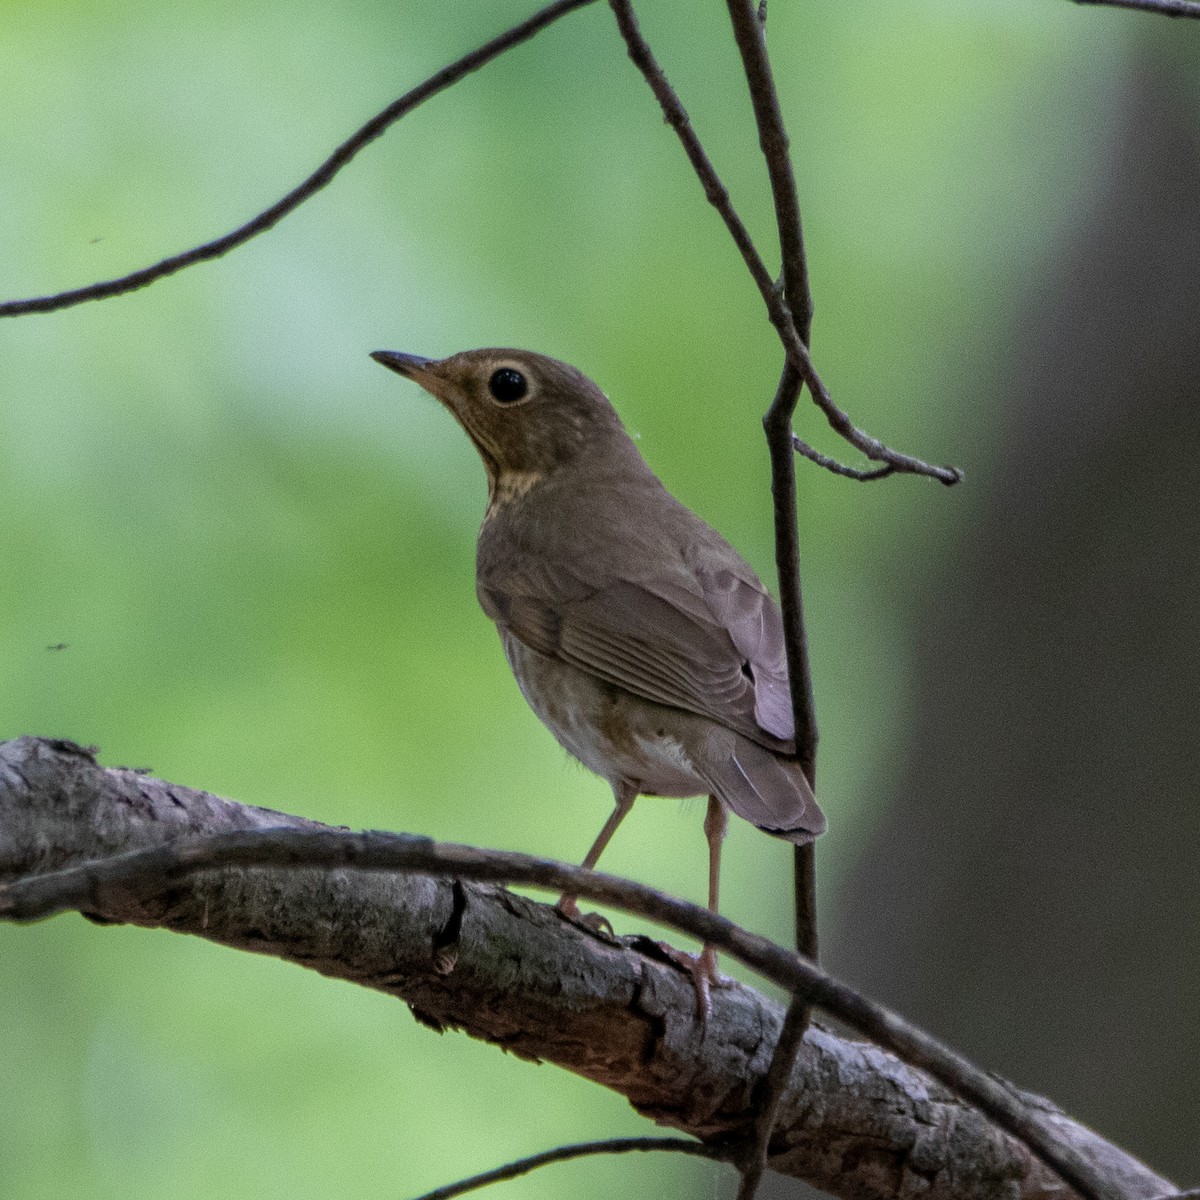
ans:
(313, 184)
(777, 424)
(748, 33)
(1168, 8)
(840, 422)
(154, 870)
(750, 37)
(773, 1088)
(831, 464)
(676, 116)
(783, 486)
(523, 1166)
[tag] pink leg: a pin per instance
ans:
(624, 795)
(716, 822)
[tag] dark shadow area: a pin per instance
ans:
(1032, 895)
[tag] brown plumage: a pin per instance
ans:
(636, 632)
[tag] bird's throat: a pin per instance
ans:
(506, 486)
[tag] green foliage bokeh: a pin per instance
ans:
(257, 546)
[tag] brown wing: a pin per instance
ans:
(701, 638)
(737, 601)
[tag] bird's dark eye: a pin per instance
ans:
(508, 385)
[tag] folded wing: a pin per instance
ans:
(703, 640)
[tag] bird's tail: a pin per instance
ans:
(767, 790)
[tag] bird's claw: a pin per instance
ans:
(568, 907)
(702, 968)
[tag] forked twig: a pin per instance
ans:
(780, 314)
(749, 33)
(314, 183)
(783, 488)
(777, 425)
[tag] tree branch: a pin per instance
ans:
(778, 420)
(314, 183)
(855, 1120)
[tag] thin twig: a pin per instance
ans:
(777, 424)
(751, 42)
(317, 180)
(676, 116)
(523, 1166)
(154, 870)
(773, 1088)
(750, 37)
(718, 196)
(794, 332)
(783, 485)
(864, 475)
(1168, 8)
(838, 419)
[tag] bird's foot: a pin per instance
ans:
(702, 968)
(568, 907)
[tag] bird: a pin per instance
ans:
(638, 635)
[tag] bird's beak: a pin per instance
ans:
(411, 366)
(425, 371)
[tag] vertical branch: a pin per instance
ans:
(772, 137)
(778, 427)
(797, 294)
(777, 424)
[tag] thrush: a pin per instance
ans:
(636, 632)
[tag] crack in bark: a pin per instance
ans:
(656, 1026)
(445, 939)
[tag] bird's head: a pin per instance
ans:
(528, 415)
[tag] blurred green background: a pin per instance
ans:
(258, 545)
